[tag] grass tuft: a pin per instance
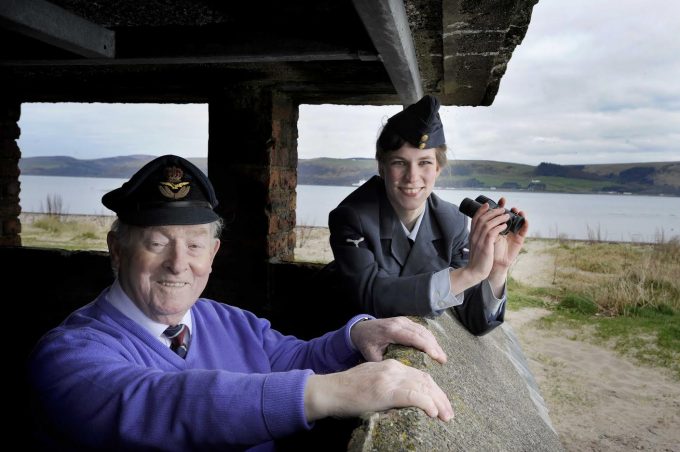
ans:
(623, 294)
(70, 232)
(578, 304)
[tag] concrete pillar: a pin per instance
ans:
(10, 226)
(252, 160)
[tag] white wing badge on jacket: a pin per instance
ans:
(355, 242)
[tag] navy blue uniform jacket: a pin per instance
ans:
(382, 274)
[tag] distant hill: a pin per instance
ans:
(640, 178)
(651, 178)
(114, 167)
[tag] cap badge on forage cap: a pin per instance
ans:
(419, 124)
(168, 190)
(173, 187)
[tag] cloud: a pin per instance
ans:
(104, 130)
(593, 81)
(341, 130)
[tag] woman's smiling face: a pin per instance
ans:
(410, 174)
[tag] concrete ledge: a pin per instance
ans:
(494, 395)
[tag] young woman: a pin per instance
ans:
(401, 250)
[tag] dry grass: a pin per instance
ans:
(626, 295)
(313, 245)
(619, 277)
(85, 232)
(70, 232)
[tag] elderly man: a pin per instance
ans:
(151, 365)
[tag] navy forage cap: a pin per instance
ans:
(419, 124)
(168, 190)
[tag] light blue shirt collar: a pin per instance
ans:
(414, 233)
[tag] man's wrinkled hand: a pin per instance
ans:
(374, 386)
(371, 338)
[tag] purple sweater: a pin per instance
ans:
(103, 381)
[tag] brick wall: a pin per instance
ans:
(252, 159)
(10, 226)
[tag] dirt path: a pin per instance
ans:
(598, 401)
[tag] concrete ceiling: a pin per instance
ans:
(319, 51)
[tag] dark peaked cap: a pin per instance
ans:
(168, 190)
(419, 124)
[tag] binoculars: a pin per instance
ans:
(469, 207)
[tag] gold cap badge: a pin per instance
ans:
(173, 187)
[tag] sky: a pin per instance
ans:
(594, 81)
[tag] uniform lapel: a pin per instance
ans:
(391, 230)
(424, 256)
(400, 246)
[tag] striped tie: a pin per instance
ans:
(178, 337)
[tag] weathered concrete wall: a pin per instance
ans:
(479, 37)
(495, 398)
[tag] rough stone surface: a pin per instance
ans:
(495, 398)
(478, 41)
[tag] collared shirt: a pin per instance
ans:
(119, 299)
(440, 285)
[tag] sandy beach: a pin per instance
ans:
(598, 400)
